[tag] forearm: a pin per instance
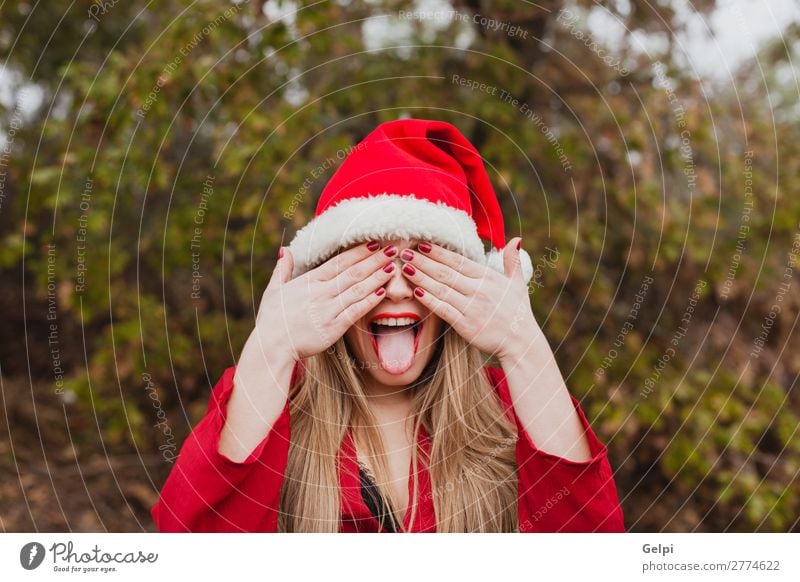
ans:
(541, 399)
(261, 386)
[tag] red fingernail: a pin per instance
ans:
(519, 244)
(424, 247)
(419, 292)
(373, 246)
(280, 253)
(407, 255)
(389, 267)
(409, 270)
(380, 292)
(390, 251)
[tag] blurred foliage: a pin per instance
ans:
(144, 106)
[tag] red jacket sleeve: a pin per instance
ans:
(557, 494)
(207, 492)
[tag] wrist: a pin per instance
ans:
(524, 343)
(266, 351)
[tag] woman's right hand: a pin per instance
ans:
(308, 314)
(297, 318)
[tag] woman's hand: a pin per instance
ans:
(297, 318)
(490, 310)
(308, 314)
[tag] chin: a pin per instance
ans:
(388, 379)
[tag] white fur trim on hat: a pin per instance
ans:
(387, 215)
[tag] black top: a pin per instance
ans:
(375, 502)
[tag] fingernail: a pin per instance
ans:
(519, 244)
(389, 267)
(280, 253)
(424, 247)
(380, 292)
(407, 255)
(390, 251)
(419, 292)
(373, 246)
(408, 269)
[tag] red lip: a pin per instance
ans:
(413, 316)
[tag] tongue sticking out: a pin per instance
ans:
(395, 347)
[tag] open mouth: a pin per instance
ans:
(395, 339)
(376, 329)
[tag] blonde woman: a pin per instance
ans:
(362, 401)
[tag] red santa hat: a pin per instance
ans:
(410, 178)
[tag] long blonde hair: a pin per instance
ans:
(472, 462)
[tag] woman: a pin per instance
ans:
(362, 402)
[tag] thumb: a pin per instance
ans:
(511, 260)
(283, 268)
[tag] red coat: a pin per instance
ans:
(207, 492)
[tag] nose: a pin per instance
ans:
(399, 288)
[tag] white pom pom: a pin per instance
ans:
(494, 260)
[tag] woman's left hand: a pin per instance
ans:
(489, 309)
